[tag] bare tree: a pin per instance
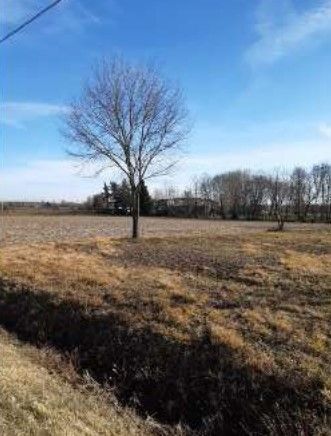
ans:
(219, 193)
(279, 194)
(206, 191)
(130, 118)
(301, 192)
(321, 175)
(257, 196)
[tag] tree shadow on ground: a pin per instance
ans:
(199, 383)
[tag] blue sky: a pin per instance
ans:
(256, 75)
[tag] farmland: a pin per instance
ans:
(20, 229)
(200, 327)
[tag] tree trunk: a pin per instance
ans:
(135, 214)
(280, 221)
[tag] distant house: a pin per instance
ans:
(109, 204)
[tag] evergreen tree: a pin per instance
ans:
(122, 195)
(126, 196)
(145, 200)
(106, 193)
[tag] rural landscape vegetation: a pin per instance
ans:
(202, 309)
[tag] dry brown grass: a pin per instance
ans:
(307, 263)
(57, 265)
(34, 401)
(195, 327)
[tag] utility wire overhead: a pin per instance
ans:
(30, 20)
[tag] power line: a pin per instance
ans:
(30, 20)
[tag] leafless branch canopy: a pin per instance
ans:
(129, 117)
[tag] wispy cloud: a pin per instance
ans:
(325, 130)
(14, 11)
(69, 15)
(47, 180)
(267, 157)
(264, 158)
(16, 114)
(282, 30)
(72, 17)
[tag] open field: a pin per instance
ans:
(45, 228)
(212, 328)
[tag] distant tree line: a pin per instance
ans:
(302, 195)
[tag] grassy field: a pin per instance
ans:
(217, 328)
